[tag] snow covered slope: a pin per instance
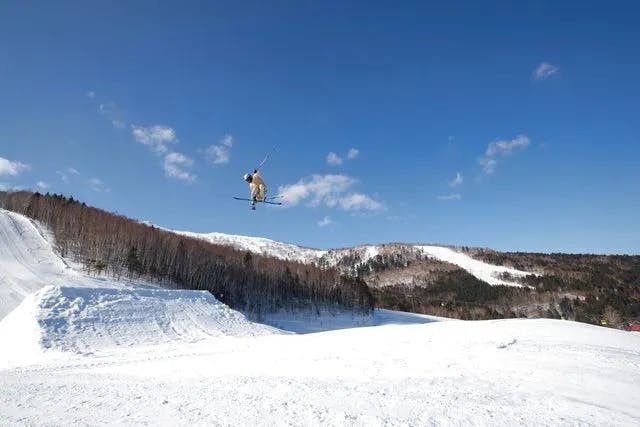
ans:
(481, 270)
(27, 261)
(507, 372)
(260, 246)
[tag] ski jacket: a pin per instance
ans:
(258, 187)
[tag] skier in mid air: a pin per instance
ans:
(257, 187)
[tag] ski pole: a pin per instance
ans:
(266, 158)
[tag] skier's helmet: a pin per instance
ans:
(247, 177)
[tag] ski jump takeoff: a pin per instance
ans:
(258, 188)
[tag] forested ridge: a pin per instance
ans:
(596, 289)
(115, 245)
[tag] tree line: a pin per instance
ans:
(111, 244)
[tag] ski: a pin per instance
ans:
(269, 202)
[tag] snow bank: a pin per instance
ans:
(91, 320)
(486, 272)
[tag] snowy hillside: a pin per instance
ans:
(486, 272)
(260, 246)
(28, 263)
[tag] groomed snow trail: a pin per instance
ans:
(481, 270)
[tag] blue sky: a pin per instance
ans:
(502, 125)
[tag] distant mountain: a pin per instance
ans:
(350, 259)
(475, 283)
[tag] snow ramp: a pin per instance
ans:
(94, 320)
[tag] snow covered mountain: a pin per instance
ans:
(260, 246)
(486, 272)
(80, 349)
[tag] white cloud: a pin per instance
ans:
(91, 94)
(333, 159)
(43, 185)
(319, 189)
(176, 165)
(155, 137)
(12, 168)
(499, 148)
(220, 153)
(544, 71)
(64, 175)
(353, 153)
(488, 165)
(357, 201)
(325, 221)
(458, 180)
(97, 185)
(450, 197)
(328, 190)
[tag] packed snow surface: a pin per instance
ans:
(95, 320)
(525, 372)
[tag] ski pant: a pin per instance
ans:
(258, 192)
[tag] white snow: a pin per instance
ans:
(118, 355)
(27, 262)
(481, 270)
(259, 245)
(96, 320)
(525, 372)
